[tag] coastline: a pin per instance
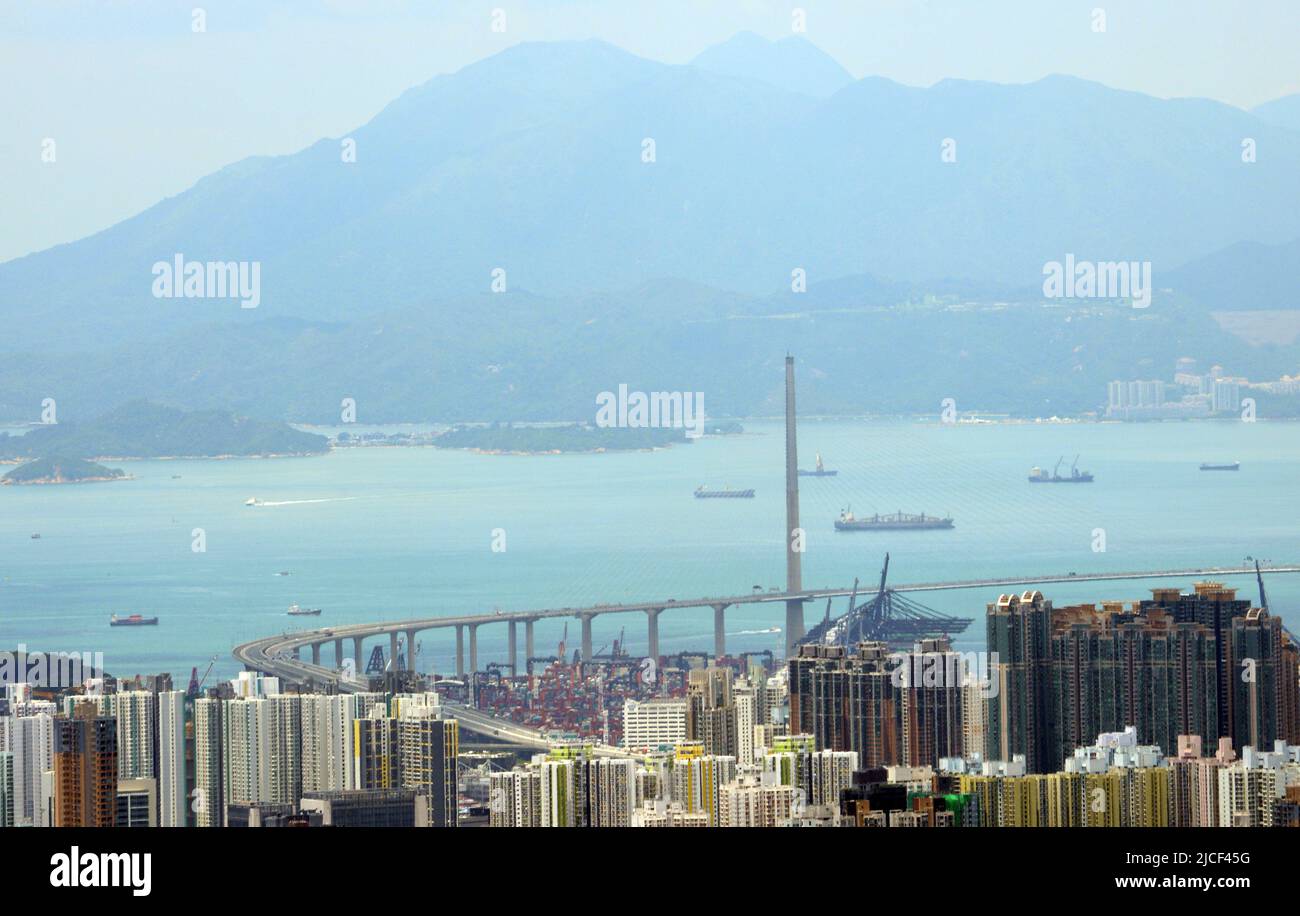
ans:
(57, 481)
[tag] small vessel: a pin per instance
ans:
(36, 536)
(283, 572)
(1230, 466)
(134, 620)
(295, 611)
(899, 521)
(819, 471)
(702, 492)
(1038, 475)
(176, 477)
(252, 501)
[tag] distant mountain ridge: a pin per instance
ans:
(531, 162)
(1284, 112)
(792, 63)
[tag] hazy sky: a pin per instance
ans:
(140, 106)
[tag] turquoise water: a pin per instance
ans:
(407, 532)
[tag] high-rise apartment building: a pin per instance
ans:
(711, 711)
(929, 685)
(6, 789)
(31, 741)
(845, 699)
(428, 748)
(753, 803)
(515, 798)
(376, 759)
(1202, 664)
(173, 787)
(85, 769)
(247, 732)
(1018, 630)
(208, 797)
(285, 762)
(327, 742)
(698, 778)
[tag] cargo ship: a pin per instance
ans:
(702, 492)
(899, 521)
(1231, 466)
(135, 620)
(295, 611)
(819, 471)
(1038, 475)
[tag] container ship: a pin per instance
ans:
(899, 521)
(702, 492)
(1231, 466)
(1038, 475)
(818, 471)
(135, 620)
(295, 611)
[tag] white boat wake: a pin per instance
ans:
(259, 503)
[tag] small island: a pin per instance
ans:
(544, 440)
(52, 470)
(144, 430)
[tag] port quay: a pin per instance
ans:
(283, 655)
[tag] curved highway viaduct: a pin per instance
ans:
(284, 651)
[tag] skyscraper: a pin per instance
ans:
(376, 759)
(929, 681)
(31, 739)
(428, 747)
(173, 789)
(6, 789)
(85, 769)
(327, 742)
(247, 732)
(1018, 630)
(846, 700)
(208, 797)
(711, 711)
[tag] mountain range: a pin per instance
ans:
(643, 220)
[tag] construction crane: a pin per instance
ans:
(196, 684)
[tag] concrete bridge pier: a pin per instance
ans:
(315, 653)
(392, 651)
(512, 649)
(460, 650)
(297, 652)
(473, 647)
(793, 626)
(338, 653)
(357, 657)
(410, 649)
(586, 636)
(652, 635)
(719, 630)
(530, 650)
